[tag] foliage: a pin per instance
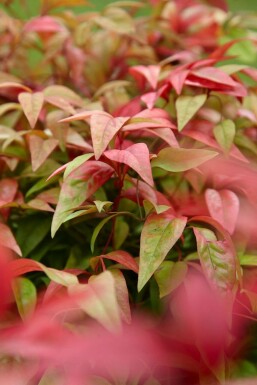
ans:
(128, 194)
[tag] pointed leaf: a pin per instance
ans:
(177, 79)
(22, 266)
(7, 239)
(137, 157)
(169, 276)
(8, 190)
(40, 149)
(31, 105)
(159, 234)
(123, 258)
(103, 129)
(187, 107)
(223, 206)
(150, 73)
(102, 205)
(121, 231)
(65, 93)
(214, 75)
(70, 166)
(217, 259)
(100, 300)
(122, 295)
(85, 115)
(78, 186)
(224, 134)
(25, 295)
(181, 159)
(97, 230)
(165, 134)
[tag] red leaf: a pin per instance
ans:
(23, 266)
(123, 258)
(220, 51)
(223, 206)
(222, 4)
(137, 157)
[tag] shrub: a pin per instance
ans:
(128, 187)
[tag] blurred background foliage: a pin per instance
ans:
(30, 8)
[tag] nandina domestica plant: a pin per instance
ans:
(128, 194)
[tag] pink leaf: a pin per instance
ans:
(31, 105)
(148, 119)
(84, 115)
(40, 149)
(177, 79)
(215, 75)
(223, 206)
(137, 157)
(103, 129)
(43, 24)
(7, 239)
(8, 190)
(150, 73)
(39, 204)
(165, 134)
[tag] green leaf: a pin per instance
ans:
(97, 230)
(77, 187)
(150, 206)
(121, 231)
(169, 276)
(31, 105)
(25, 295)
(75, 163)
(80, 213)
(217, 259)
(101, 206)
(224, 134)
(159, 234)
(31, 231)
(248, 260)
(181, 159)
(187, 106)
